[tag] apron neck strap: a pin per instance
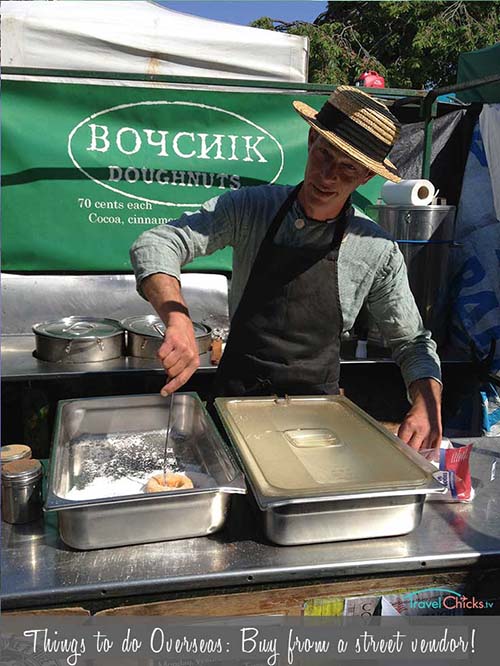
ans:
(280, 215)
(340, 225)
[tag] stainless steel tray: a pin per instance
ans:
(103, 451)
(321, 469)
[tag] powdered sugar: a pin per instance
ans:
(104, 486)
(115, 465)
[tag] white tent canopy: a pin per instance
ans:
(144, 38)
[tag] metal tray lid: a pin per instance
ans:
(298, 449)
(153, 326)
(79, 328)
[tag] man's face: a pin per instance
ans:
(330, 178)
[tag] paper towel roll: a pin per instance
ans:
(408, 192)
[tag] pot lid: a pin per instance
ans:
(152, 326)
(311, 448)
(11, 452)
(21, 471)
(79, 328)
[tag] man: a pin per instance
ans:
(304, 263)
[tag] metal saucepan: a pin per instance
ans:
(79, 340)
(145, 335)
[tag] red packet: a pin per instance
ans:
(454, 471)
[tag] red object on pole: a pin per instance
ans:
(371, 79)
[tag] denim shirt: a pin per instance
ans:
(371, 267)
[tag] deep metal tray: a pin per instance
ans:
(104, 450)
(321, 469)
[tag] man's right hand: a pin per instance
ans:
(178, 353)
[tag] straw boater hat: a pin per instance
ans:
(358, 124)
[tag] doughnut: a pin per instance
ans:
(159, 483)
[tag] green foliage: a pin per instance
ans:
(413, 44)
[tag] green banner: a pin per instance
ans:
(87, 168)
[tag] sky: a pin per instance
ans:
(245, 11)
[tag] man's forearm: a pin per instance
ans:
(427, 390)
(179, 352)
(421, 427)
(165, 295)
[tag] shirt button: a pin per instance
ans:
(299, 224)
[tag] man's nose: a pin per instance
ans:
(329, 169)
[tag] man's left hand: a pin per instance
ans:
(421, 428)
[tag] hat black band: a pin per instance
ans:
(331, 118)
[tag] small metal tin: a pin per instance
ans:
(22, 491)
(11, 452)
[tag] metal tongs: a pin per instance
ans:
(167, 437)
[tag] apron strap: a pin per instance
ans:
(285, 207)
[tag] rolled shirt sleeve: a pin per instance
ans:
(392, 305)
(168, 247)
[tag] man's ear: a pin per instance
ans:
(369, 176)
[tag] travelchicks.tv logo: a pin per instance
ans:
(436, 598)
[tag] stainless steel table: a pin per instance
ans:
(38, 570)
(18, 363)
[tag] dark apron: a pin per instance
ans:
(285, 334)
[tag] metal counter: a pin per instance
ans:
(18, 363)
(38, 570)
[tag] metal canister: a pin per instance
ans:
(22, 491)
(11, 452)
